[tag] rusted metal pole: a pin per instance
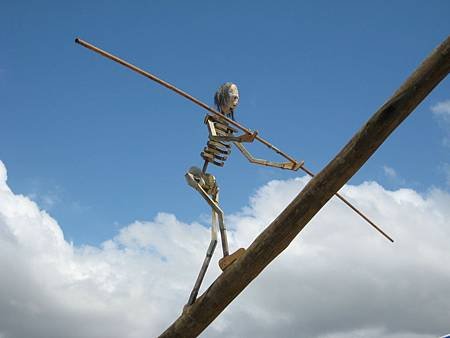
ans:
(211, 110)
(282, 231)
(182, 93)
(376, 227)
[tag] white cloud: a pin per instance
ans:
(373, 333)
(393, 176)
(442, 109)
(339, 278)
(47, 198)
(389, 172)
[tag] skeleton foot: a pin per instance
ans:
(230, 259)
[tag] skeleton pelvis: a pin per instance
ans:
(206, 181)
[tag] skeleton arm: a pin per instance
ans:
(284, 165)
(218, 134)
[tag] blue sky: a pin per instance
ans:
(99, 146)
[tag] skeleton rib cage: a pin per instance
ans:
(217, 152)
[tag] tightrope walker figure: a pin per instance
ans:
(217, 150)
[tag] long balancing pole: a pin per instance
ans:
(216, 113)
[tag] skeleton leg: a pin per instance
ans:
(216, 214)
(215, 209)
(209, 253)
(223, 230)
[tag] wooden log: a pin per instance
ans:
(278, 235)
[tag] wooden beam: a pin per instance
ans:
(278, 235)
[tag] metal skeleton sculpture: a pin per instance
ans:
(216, 152)
(222, 128)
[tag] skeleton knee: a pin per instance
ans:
(194, 176)
(207, 181)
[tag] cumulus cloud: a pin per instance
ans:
(441, 111)
(392, 175)
(337, 279)
(389, 172)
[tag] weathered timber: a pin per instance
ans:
(279, 234)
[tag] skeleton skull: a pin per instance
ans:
(227, 98)
(233, 95)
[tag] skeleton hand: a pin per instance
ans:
(296, 165)
(248, 137)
